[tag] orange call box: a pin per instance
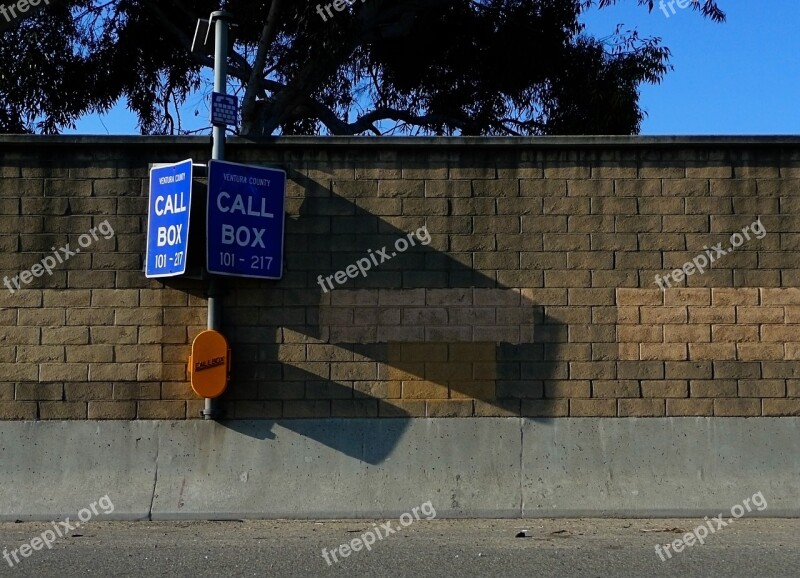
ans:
(209, 364)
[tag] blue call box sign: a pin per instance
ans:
(168, 219)
(246, 209)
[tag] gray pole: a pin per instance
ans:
(220, 20)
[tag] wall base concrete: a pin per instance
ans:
(369, 468)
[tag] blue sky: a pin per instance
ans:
(738, 77)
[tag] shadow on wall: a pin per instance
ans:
(412, 330)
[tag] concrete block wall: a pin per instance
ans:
(535, 296)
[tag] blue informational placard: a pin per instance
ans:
(168, 219)
(224, 109)
(246, 209)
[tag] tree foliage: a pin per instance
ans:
(470, 67)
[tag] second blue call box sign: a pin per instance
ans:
(245, 228)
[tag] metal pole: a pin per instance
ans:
(220, 21)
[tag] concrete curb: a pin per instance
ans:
(370, 468)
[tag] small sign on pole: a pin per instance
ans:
(168, 219)
(224, 109)
(246, 209)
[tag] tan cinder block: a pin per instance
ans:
(690, 407)
(133, 390)
(629, 351)
(615, 170)
(687, 297)
(449, 408)
(342, 371)
(423, 389)
(590, 187)
(702, 170)
(782, 333)
(762, 388)
(65, 336)
(638, 297)
(746, 314)
(737, 296)
(7, 354)
(162, 335)
(478, 389)
(780, 296)
(39, 391)
(563, 389)
(685, 187)
(354, 408)
(423, 352)
(615, 388)
(692, 334)
(502, 408)
(734, 333)
(402, 371)
(643, 189)
(306, 409)
(176, 391)
(737, 407)
(562, 170)
(792, 351)
(662, 169)
(112, 410)
(161, 409)
(39, 353)
(378, 389)
(792, 314)
(401, 408)
(469, 352)
(656, 315)
(17, 410)
(249, 409)
(539, 296)
(90, 353)
(712, 314)
(592, 408)
(545, 408)
(713, 388)
(640, 333)
(450, 189)
(712, 351)
(592, 370)
(400, 188)
(482, 371)
(88, 391)
(114, 335)
(58, 410)
(665, 351)
(63, 372)
(448, 371)
(49, 316)
(112, 372)
(762, 351)
(665, 388)
(642, 407)
(781, 407)
(115, 297)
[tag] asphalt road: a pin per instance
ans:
(425, 548)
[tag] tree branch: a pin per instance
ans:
(268, 35)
